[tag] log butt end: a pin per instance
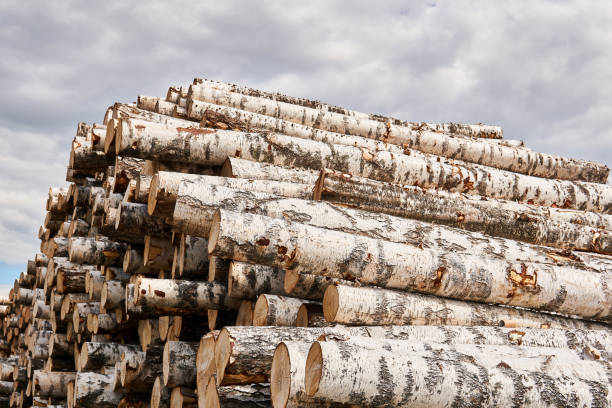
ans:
(314, 369)
(280, 377)
(331, 301)
(223, 350)
(260, 312)
(211, 396)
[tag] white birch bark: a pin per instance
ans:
(190, 296)
(193, 257)
(274, 310)
(235, 396)
(95, 252)
(306, 249)
(179, 364)
(113, 294)
(132, 218)
(165, 188)
(522, 222)
(94, 390)
(516, 159)
(475, 377)
(147, 102)
(252, 170)
(364, 306)
(248, 281)
(139, 373)
(203, 88)
(80, 314)
(158, 253)
(94, 356)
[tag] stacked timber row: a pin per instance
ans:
(224, 246)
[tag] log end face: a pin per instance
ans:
(280, 377)
(314, 369)
(215, 230)
(152, 199)
(302, 316)
(166, 364)
(223, 351)
(290, 281)
(260, 312)
(211, 396)
(331, 301)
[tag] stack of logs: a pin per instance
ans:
(224, 246)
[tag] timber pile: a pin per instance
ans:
(224, 246)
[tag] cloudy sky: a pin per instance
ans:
(542, 70)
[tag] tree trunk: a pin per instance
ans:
(235, 396)
(377, 307)
(87, 160)
(94, 356)
(165, 188)
(500, 218)
(104, 323)
(471, 376)
(147, 102)
(93, 390)
(311, 315)
(59, 346)
(40, 310)
(94, 281)
(248, 281)
(51, 384)
(382, 263)
(133, 263)
(202, 90)
(69, 301)
(141, 195)
(272, 310)
(187, 296)
(235, 167)
(95, 252)
(179, 364)
(140, 373)
(515, 159)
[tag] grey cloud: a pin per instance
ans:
(539, 69)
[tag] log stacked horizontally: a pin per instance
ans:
(223, 246)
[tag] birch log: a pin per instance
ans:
(493, 217)
(165, 188)
(515, 159)
(126, 169)
(158, 253)
(377, 307)
(71, 280)
(51, 384)
(179, 364)
(205, 361)
(310, 287)
(113, 294)
(133, 263)
(173, 295)
(248, 281)
(488, 379)
(95, 252)
(307, 249)
(160, 395)
(93, 390)
(273, 310)
(202, 87)
(252, 170)
(235, 396)
(94, 356)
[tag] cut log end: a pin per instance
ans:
(290, 281)
(152, 200)
(319, 185)
(260, 312)
(226, 169)
(314, 369)
(331, 301)
(214, 233)
(280, 377)
(211, 396)
(223, 350)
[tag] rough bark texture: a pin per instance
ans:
(97, 355)
(248, 281)
(337, 254)
(493, 217)
(252, 170)
(95, 252)
(133, 218)
(235, 396)
(202, 87)
(166, 185)
(93, 390)
(139, 374)
(378, 307)
(478, 377)
(273, 310)
(51, 384)
(193, 257)
(311, 287)
(179, 365)
(172, 295)
(516, 159)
